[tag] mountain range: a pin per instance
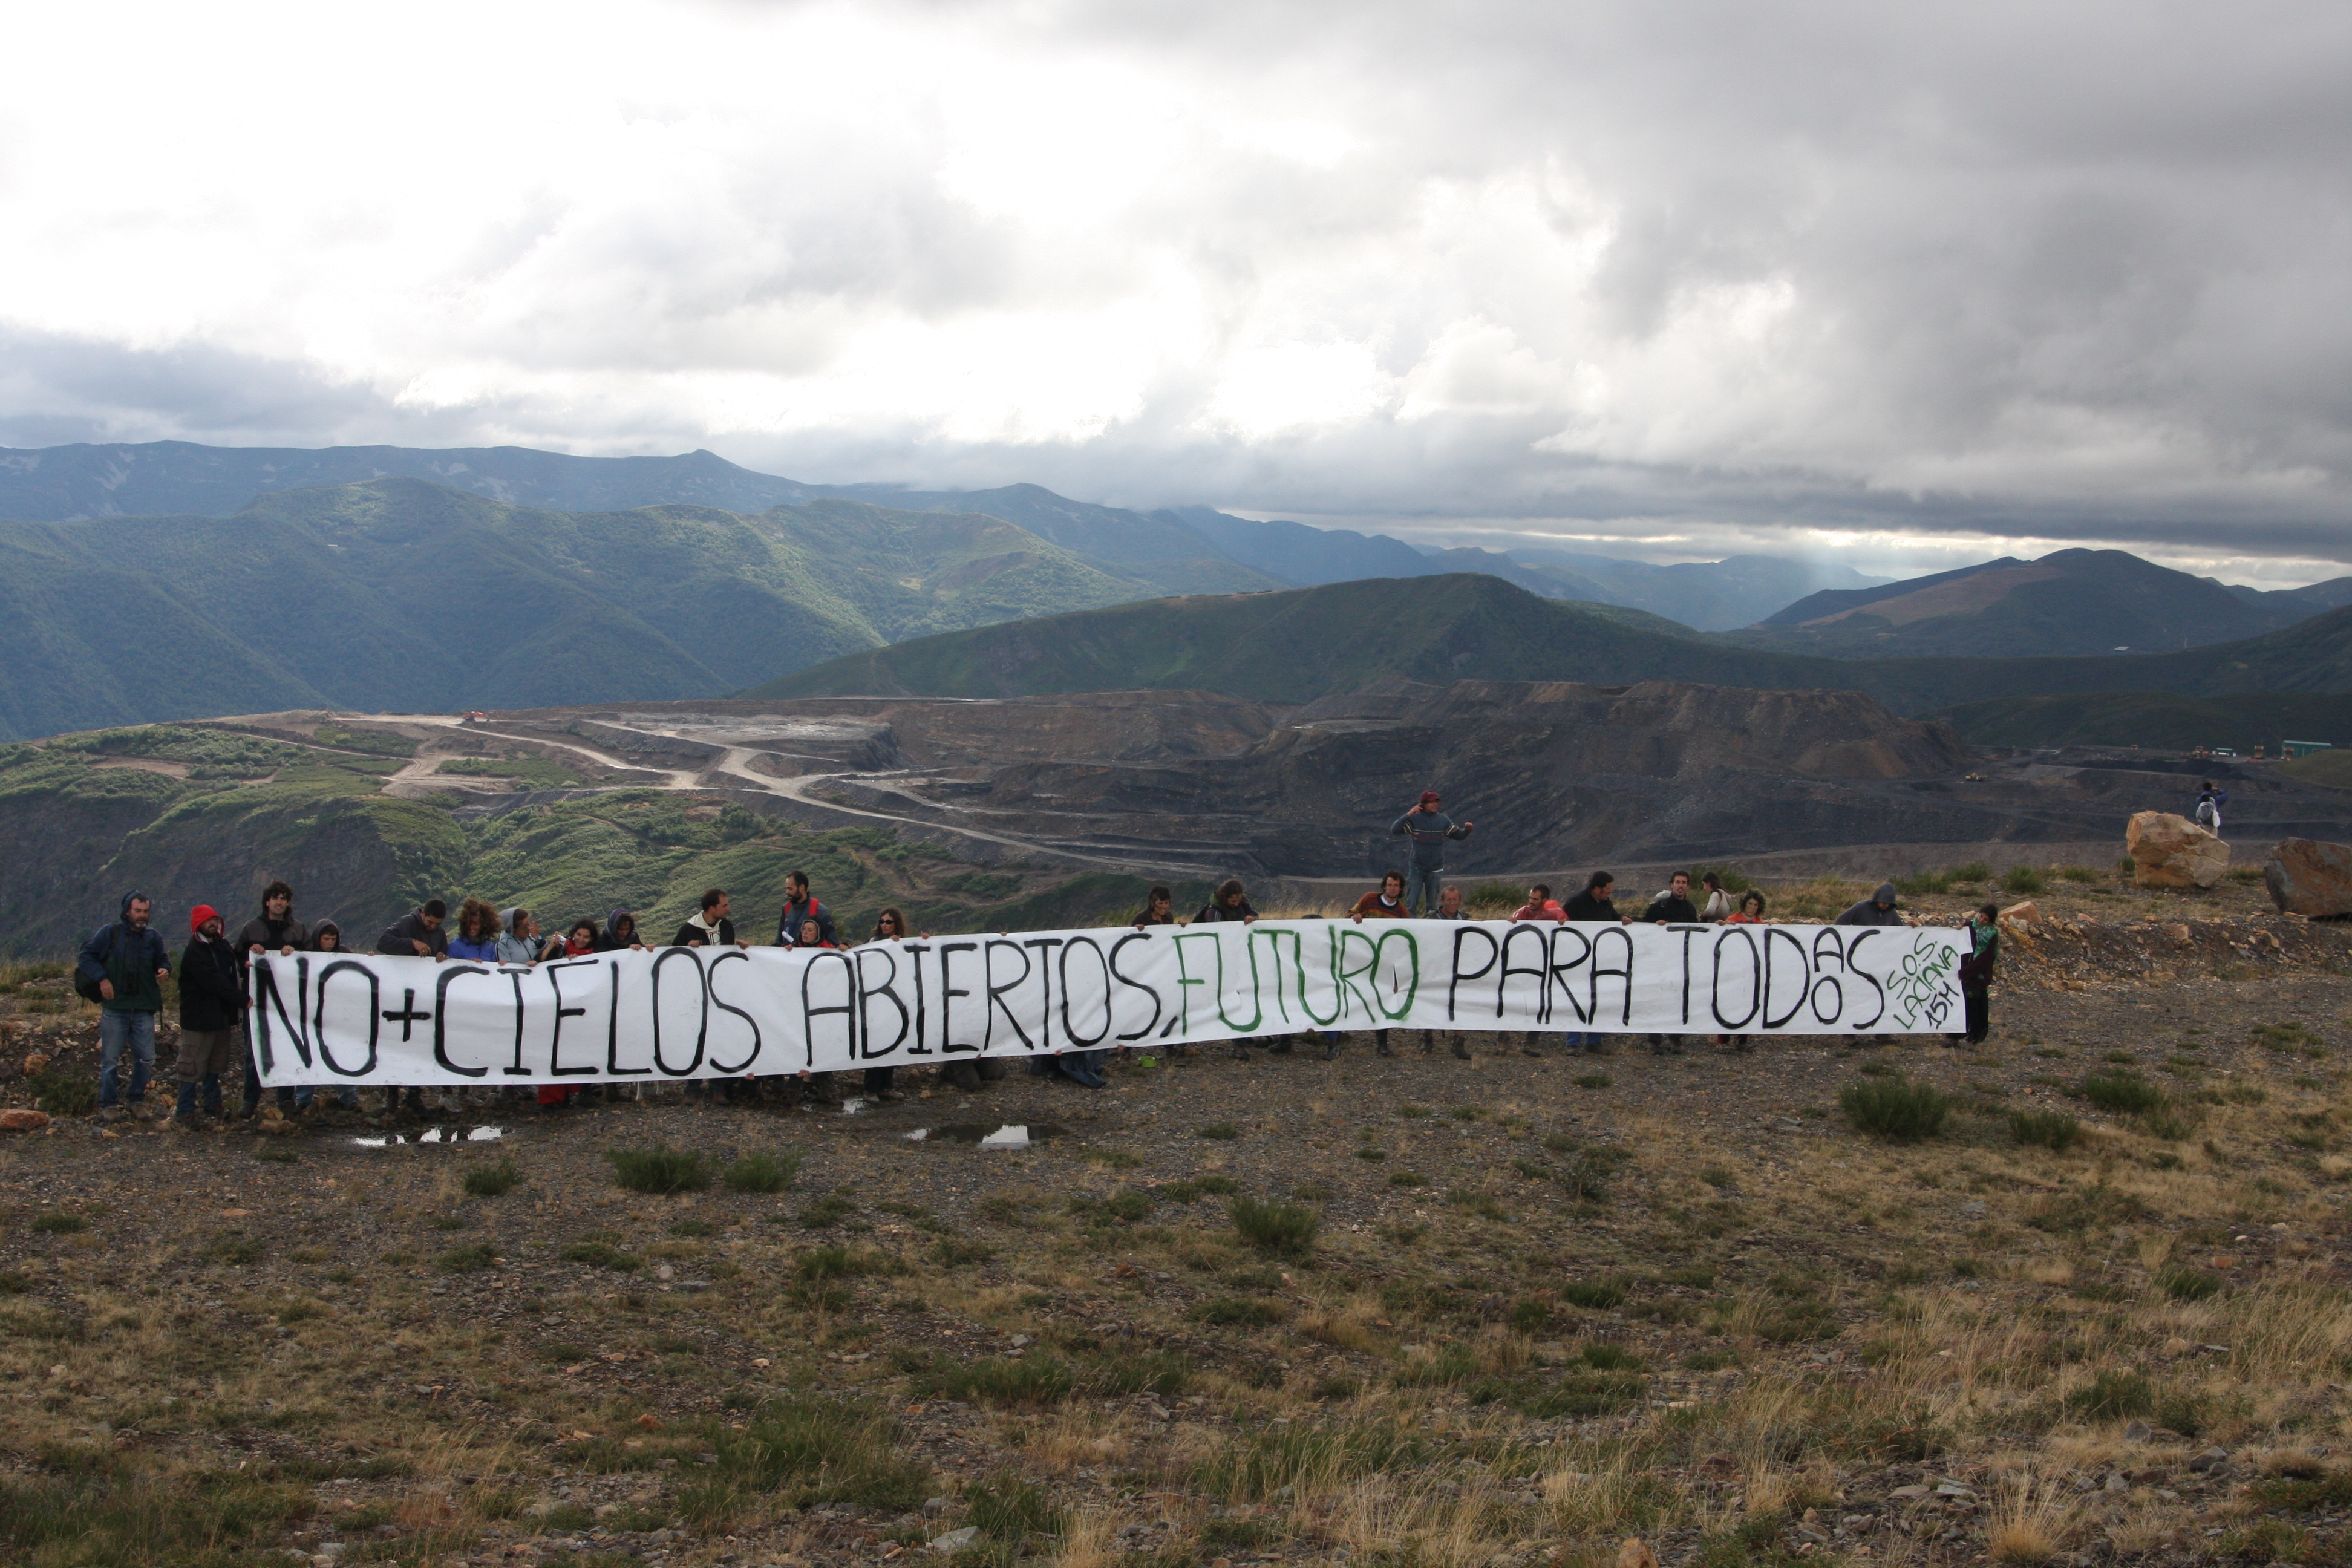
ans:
(2068, 602)
(1296, 646)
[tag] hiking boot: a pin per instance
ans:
(137, 1111)
(888, 1096)
(963, 1075)
(1381, 1044)
(1282, 1046)
(1240, 1050)
(1331, 1049)
(1461, 1049)
(178, 1123)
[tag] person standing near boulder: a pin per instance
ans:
(1976, 971)
(210, 999)
(123, 968)
(1429, 828)
(2210, 801)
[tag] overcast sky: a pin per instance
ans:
(1912, 284)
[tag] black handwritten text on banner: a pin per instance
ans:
(682, 1012)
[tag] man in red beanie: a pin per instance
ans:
(209, 998)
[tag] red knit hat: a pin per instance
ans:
(1429, 797)
(199, 915)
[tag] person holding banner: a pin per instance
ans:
(1673, 907)
(1449, 908)
(209, 998)
(1594, 905)
(275, 929)
(1976, 973)
(801, 904)
(1540, 905)
(708, 927)
(1230, 903)
(889, 926)
(1386, 903)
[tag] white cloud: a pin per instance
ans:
(1691, 269)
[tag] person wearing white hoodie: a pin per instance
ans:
(711, 926)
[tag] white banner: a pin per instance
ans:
(725, 1012)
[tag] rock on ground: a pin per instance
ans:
(2310, 878)
(2174, 852)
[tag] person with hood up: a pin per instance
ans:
(210, 998)
(123, 968)
(1878, 910)
(620, 932)
(1429, 828)
(1976, 971)
(710, 926)
(327, 937)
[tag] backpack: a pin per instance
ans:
(84, 986)
(2205, 812)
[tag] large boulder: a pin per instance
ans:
(2310, 878)
(2174, 852)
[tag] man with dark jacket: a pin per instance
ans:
(418, 934)
(799, 904)
(1878, 910)
(211, 996)
(1983, 929)
(711, 927)
(1673, 907)
(1429, 828)
(274, 930)
(127, 964)
(1595, 906)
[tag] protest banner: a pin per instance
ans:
(724, 1012)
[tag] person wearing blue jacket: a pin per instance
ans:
(125, 964)
(1429, 828)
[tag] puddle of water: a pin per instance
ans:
(988, 1135)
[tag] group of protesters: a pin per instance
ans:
(123, 967)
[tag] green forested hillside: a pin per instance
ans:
(400, 594)
(1297, 645)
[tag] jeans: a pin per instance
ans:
(116, 1030)
(1421, 887)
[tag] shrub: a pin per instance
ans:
(828, 1210)
(1971, 871)
(1223, 1132)
(2022, 881)
(2049, 1129)
(2113, 1396)
(1594, 1295)
(1010, 1509)
(1602, 1356)
(764, 1173)
(1895, 1108)
(63, 1092)
(2189, 1284)
(797, 1452)
(660, 1169)
(599, 1255)
(1407, 1179)
(276, 1154)
(1003, 1380)
(2124, 1092)
(1239, 1312)
(2083, 874)
(1286, 1229)
(465, 1259)
(1595, 1080)
(61, 1224)
(491, 1180)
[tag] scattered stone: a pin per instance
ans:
(956, 1540)
(2137, 1432)
(1636, 1553)
(2027, 913)
(2173, 852)
(2210, 1460)
(650, 1422)
(36, 1064)
(2309, 878)
(23, 1120)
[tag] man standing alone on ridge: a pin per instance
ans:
(1429, 828)
(123, 968)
